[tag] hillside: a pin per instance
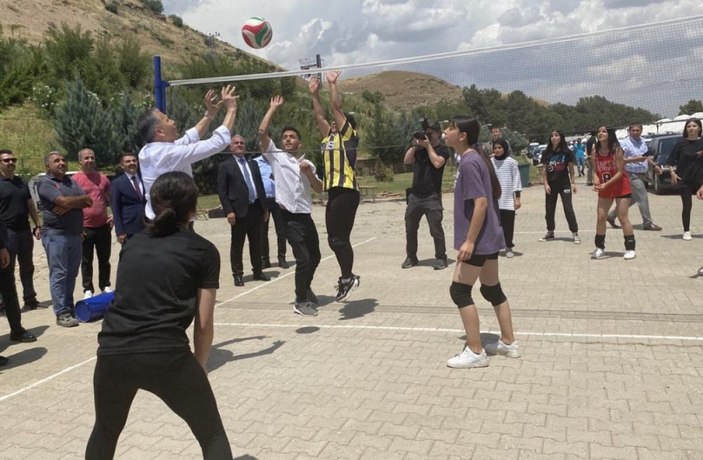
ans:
(156, 33)
(403, 90)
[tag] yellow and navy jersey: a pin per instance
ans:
(339, 156)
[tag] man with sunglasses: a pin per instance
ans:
(16, 205)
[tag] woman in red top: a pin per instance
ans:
(612, 184)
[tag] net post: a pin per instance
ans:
(159, 86)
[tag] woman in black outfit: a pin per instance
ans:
(166, 278)
(686, 160)
(558, 174)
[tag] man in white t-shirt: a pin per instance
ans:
(164, 151)
(295, 177)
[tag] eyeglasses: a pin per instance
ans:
(9, 160)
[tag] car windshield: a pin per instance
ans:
(665, 146)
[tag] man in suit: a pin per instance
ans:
(127, 198)
(243, 199)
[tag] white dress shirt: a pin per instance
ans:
(293, 191)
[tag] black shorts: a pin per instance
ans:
(477, 260)
(629, 195)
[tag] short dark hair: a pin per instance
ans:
(6, 152)
(632, 125)
(146, 126)
(350, 118)
(174, 197)
(291, 128)
(127, 154)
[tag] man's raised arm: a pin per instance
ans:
(336, 99)
(264, 138)
(322, 124)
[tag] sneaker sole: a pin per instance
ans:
(299, 312)
(357, 282)
(509, 354)
(468, 366)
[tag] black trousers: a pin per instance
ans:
(21, 247)
(250, 227)
(8, 290)
(550, 204)
(275, 215)
(339, 220)
(687, 204)
(174, 377)
(302, 237)
(430, 207)
(97, 239)
(507, 221)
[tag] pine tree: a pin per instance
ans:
(82, 122)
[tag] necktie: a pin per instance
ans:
(247, 178)
(135, 182)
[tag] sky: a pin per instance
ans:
(657, 67)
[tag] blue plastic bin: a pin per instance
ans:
(93, 308)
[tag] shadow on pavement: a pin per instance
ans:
(219, 356)
(24, 357)
(357, 308)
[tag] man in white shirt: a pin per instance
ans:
(164, 151)
(636, 164)
(295, 177)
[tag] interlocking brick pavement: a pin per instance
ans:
(611, 365)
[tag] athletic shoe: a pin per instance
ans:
(107, 289)
(344, 288)
(598, 253)
(687, 236)
(500, 348)
(305, 308)
(611, 221)
(509, 253)
(440, 264)
(409, 262)
(87, 294)
(629, 255)
(577, 240)
(651, 227)
(548, 237)
(700, 271)
(468, 359)
(66, 320)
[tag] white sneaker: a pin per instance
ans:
(500, 348)
(577, 240)
(629, 255)
(107, 289)
(509, 253)
(687, 236)
(467, 359)
(597, 254)
(87, 294)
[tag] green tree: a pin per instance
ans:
(691, 107)
(81, 121)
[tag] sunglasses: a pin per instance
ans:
(9, 160)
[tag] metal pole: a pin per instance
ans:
(159, 86)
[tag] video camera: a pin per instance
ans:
(426, 126)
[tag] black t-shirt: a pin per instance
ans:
(689, 163)
(14, 195)
(156, 292)
(426, 178)
(557, 164)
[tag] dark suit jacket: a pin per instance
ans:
(127, 207)
(232, 187)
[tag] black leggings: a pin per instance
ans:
(563, 191)
(687, 203)
(339, 219)
(176, 378)
(507, 221)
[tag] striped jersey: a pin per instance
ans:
(339, 157)
(509, 177)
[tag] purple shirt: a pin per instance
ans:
(474, 181)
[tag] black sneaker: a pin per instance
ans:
(440, 264)
(31, 304)
(344, 288)
(548, 237)
(409, 262)
(312, 298)
(66, 320)
(305, 308)
(282, 263)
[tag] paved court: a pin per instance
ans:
(612, 361)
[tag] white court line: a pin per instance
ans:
(44, 380)
(269, 283)
(439, 329)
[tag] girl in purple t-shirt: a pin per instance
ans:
(478, 237)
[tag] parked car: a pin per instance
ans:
(537, 154)
(660, 147)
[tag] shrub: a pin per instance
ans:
(112, 7)
(176, 20)
(384, 173)
(154, 5)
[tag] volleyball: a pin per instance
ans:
(257, 32)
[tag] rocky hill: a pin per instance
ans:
(157, 33)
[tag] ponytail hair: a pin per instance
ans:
(472, 128)
(174, 197)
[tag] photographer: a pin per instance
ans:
(428, 157)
